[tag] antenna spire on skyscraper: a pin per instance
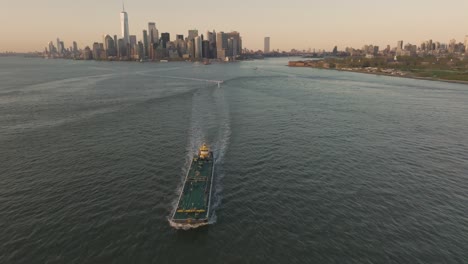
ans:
(124, 24)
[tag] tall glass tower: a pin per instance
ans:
(124, 26)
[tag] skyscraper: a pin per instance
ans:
(153, 33)
(209, 36)
(124, 26)
(237, 42)
(192, 34)
(230, 48)
(133, 41)
(141, 50)
(145, 43)
(198, 47)
(165, 38)
(206, 49)
(96, 51)
(75, 47)
(122, 48)
(221, 45)
(58, 46)
(132, 46)
(51, 48)
(266, 48)
(191, 48)
(235, 47)
(109, 46)
(400, 45)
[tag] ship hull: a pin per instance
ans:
(194, 204)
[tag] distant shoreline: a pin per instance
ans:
(390, 75)
(407, 76)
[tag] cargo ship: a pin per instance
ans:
(193, 206)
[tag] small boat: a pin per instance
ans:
(194, 204)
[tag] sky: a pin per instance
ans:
(28, 25)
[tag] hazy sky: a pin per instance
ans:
(27, 25)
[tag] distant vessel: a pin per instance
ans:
(193, 206)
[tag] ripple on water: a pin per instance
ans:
(312, 166)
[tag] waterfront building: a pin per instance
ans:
(141, 50)
(192, 34)
(266, 45)
(160, 53)
(109, 46)
(133, 41)
(400, 45)
(191, 48)
(173, 53)
(121, 48)
(206, 49)
(87, 54)
(51, 48)
(153, 32)
(429, 45)
(237, 43)
(230, 49)
(211, 37)
(61, 48)
(124, 26)
(181, 46)
(236, 48)
(75, 47)
(198, 47)
(221, 45)
(58, 43)
(132, 46)
(411, 48)
(116, 43)
(165, 38)
(181, 37)
(96, 51)
(145, 42)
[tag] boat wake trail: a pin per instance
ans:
(221, 146)
(209, 124)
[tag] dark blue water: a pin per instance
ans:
(312, 166)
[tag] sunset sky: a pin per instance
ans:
(28, 25)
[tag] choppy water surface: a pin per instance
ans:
(312, 166)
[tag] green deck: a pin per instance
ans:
(194, 202)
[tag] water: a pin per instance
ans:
(312, 166)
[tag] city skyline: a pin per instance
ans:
(413, 24)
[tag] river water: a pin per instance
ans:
(312, 166)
